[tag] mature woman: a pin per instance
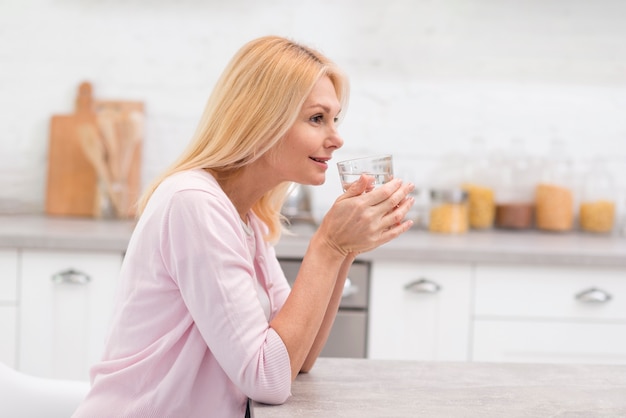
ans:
(205, 319)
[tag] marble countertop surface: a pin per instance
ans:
(535, 247)
(64, 233)
(499, 246)
(394, 389)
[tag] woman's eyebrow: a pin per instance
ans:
(324, 107)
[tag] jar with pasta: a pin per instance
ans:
(554, 196)
(597, 203)
(479, 185)
(481, 205)
(448, 211)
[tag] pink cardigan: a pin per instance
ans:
(189, 337)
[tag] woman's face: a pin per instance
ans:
(302, 155)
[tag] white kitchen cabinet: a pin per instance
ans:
(8, 306)
(420, 311)
(549, 314)
(527, 341)
(66, 299)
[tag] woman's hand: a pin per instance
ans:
(361, 219)
(365, 217)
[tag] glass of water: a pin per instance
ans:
(380, 167)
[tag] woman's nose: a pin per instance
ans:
(335, 140)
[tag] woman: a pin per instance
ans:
(205, 318)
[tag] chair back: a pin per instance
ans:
(26, 396)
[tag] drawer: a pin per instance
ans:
(348, 336)
(550, 292)
(8, 276)
(356, 289)
(549, 342)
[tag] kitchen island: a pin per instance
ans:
(393, 389)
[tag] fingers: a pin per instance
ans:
(390, 201)
(365, 183)
(395, 207)
(394, 231)
(364, 217)
(384, 193)
(390, 196)
(398, 213)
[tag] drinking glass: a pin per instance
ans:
(380, 167)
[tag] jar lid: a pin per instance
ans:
(449, 195)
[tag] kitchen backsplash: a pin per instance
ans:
(429, 79)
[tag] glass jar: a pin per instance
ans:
(514, 188)
(554, 197)
(481, 205)
(448, 211)
(597, 202)
(478, 183)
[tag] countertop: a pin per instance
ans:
(533, 247)
(392, 389)
(64, 233)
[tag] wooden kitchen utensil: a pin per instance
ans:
(73, 184)
(94, 150)
(121, 125)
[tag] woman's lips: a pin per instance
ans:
(320, 161)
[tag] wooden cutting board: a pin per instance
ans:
(73, 187)
(72, 184)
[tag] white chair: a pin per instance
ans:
(26, 396)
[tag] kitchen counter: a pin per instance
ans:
(64, 233)
(499, 246)
(533, 247)
(392, 389)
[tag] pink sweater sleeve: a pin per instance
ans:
(204, 249)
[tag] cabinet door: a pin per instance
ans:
(555, 292)
(8, 306)
(66, 303)
(550, 314)
(420, 311)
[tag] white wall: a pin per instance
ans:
(427, 76)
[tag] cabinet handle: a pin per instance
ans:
(71, 276)
(423, 286)
(349, 289)
(594, 295)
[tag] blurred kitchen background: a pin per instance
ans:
(522, 99)
(433, 82)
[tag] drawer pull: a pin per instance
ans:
(423, 286)
(594, 295)
(71, 276)
(349, 289)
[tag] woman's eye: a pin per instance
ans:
(317, 118)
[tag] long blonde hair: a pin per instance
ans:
(255, 101)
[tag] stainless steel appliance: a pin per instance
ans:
(297, 207)
(348, 337)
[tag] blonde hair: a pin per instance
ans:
(255, 101)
